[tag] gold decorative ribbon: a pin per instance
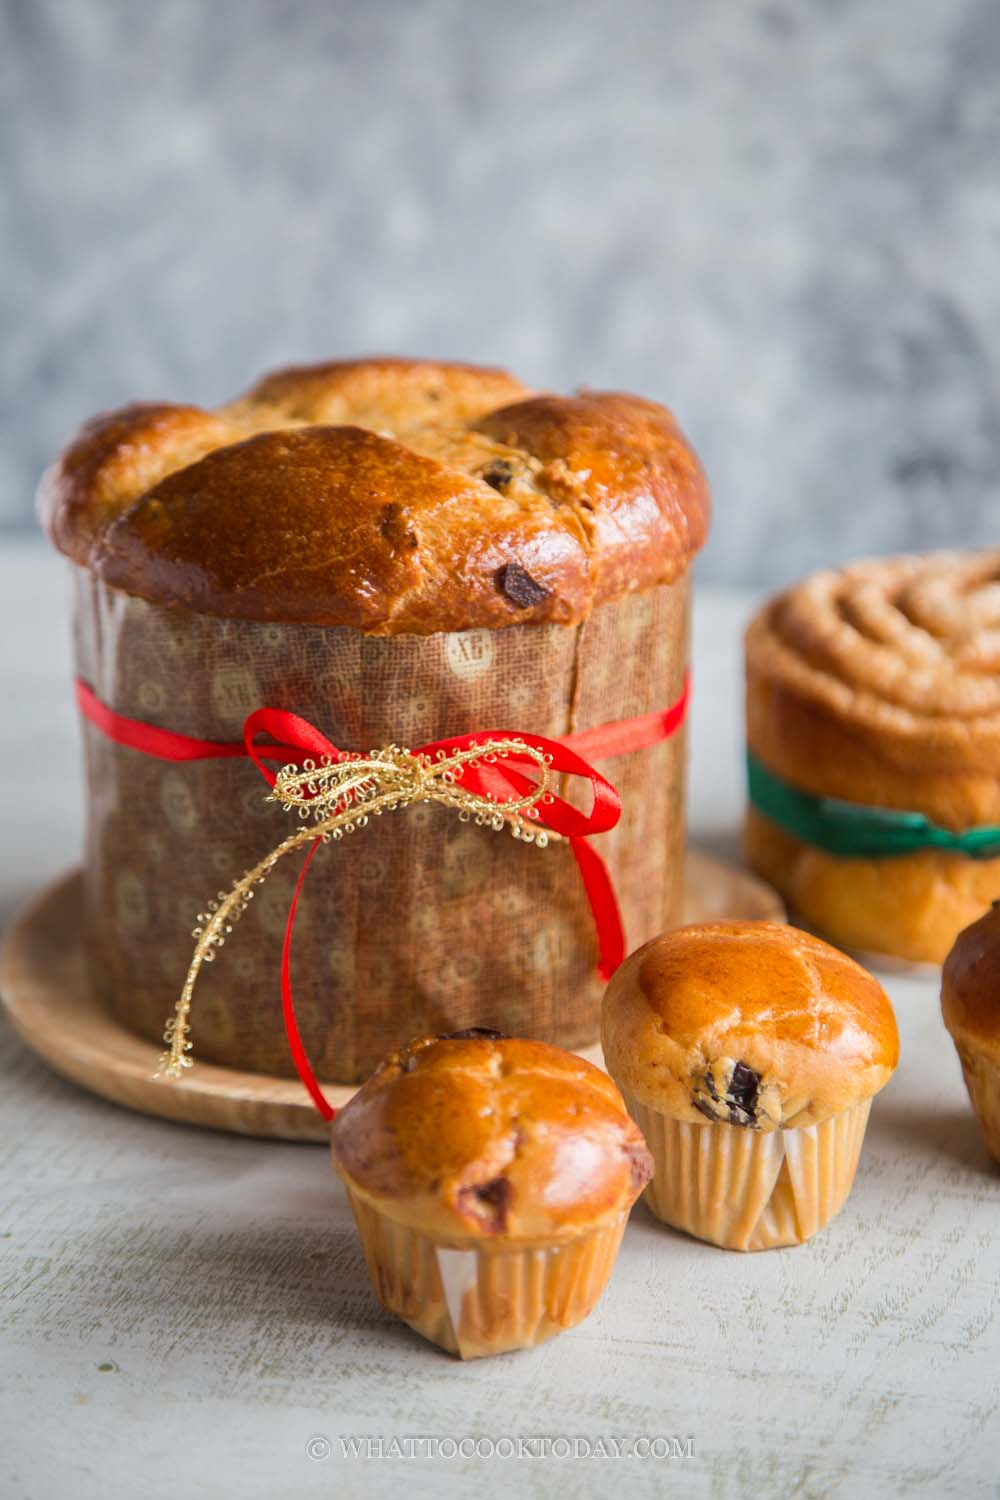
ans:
(334, 792)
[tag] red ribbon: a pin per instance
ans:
(293, 739)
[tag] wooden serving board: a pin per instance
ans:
(44, 985)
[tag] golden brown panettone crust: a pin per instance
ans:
(747, 1023)
(909, 906)
(970, 984)
(483, 1138)
(391, 495)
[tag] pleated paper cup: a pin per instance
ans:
(749, 1189)
(982, 1079)
(483, 1299)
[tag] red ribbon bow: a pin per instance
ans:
(504, 779)
(294, 739)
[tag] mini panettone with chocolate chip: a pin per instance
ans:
(397, 551)
(748, 1053)
(970, 1005)
(490, 1180)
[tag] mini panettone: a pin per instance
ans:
(398, 552)
(748, 1053)
(873, 739)
(970, 1005)
(490, 1180)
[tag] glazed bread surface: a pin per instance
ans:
(970, 985)
(393, 496)
(754, 1024)
(483, 1139)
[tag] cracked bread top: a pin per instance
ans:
(390, 495)
(753, 1024)
(478, 1137)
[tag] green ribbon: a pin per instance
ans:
(849, 828)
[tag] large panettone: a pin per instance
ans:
(397, 551)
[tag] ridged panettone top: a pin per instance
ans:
(385, 494)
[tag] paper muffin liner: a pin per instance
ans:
(982, 1079)
(483, 1300)
(748, 1189)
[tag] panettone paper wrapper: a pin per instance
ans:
(484, 1300)
(749, 1189)
(982, 1079)
(417, 924)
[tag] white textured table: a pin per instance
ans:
(187, 1315)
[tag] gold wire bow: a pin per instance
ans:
(338, 796)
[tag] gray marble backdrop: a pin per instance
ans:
(781, 217)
